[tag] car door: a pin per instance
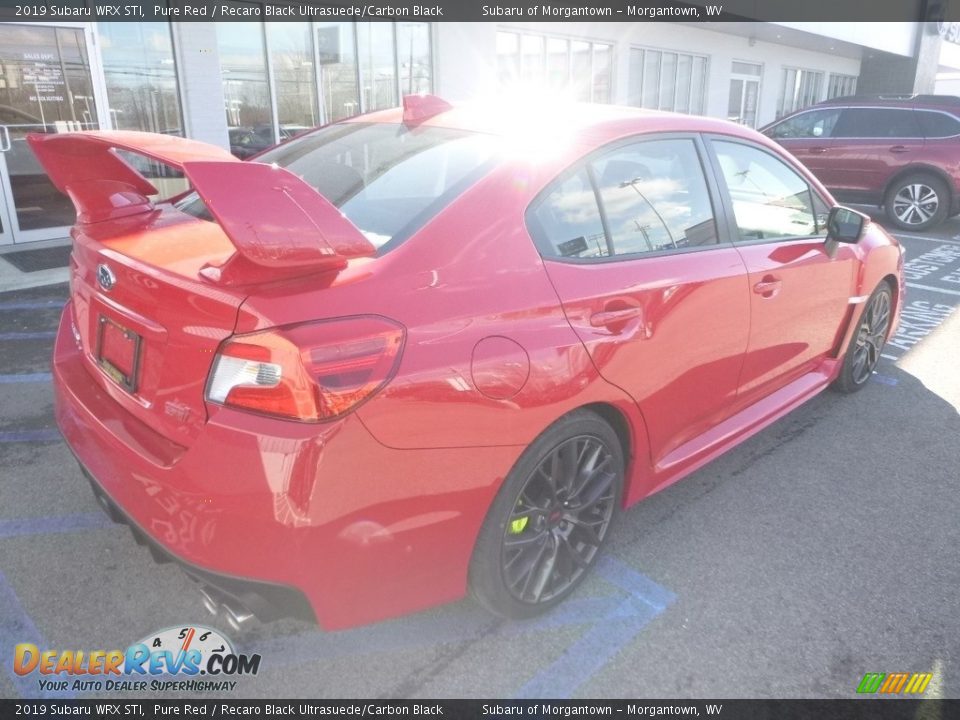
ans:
(799, 288)
(809, 138)
(870, 145)
(649, 282)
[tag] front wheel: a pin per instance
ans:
(550, 518)
(864, 352)
(917, 202)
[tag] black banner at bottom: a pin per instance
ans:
(865, 709)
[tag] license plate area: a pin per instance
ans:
(118, 353)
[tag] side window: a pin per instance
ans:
(814, 124)
(937, 124)
(566, 222)
(770, 199)
(654, 197)
(877, 123)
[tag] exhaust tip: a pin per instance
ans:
(237, 619)
(209, 603)
(225, 608)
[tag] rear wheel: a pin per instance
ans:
(917, 202)
(864, 352)
(550, 518)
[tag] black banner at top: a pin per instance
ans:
(933, 12)
(146, 709)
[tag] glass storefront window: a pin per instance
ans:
(45, 87)
(413, 58)
(291, 53)
(141, 81)
(246, 88)
(378, 76)
(665, 80)
(580, 69)
(508, 58)
(558, 63)
(336, 51)
(531, 59)
(141, 78)
(801, 88)
(602, 73)
(581, 73)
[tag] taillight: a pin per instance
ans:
(310, 372)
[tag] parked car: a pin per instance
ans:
(246, 142)
(902, 153)
(432, 349)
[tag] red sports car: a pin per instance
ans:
(435, 350)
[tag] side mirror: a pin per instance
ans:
(845, 225)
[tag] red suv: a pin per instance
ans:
(899, 152)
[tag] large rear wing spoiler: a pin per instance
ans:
(279, 225)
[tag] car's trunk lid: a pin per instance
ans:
(155, 289)
(148, 324)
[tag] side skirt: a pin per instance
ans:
(696, 453)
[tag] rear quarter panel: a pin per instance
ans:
(490, 358)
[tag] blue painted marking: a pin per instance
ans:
(17, 627)
(594, 649)
(12, 436)
(634, 583)
(25, 378)
(612, 621)
(885, 379)
(32, 305)
(452, 624)
(39, 335)
(20, 527)
(611, 633)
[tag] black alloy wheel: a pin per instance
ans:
(550, 519)
(865, 347)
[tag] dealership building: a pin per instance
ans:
(249, 84)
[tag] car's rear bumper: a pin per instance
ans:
(271, 510)
(266, 601)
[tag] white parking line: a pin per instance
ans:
(888, 357)
(899, 235)
(917, 286)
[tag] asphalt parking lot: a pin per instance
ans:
(823, 548)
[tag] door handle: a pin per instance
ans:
(898, 149)
(818, 150)
(768, 287)
(613, 317)
(5, 144)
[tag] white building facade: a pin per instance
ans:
(245, 85)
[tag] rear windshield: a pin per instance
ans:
(389, 180)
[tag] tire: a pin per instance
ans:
(863, 354)
(555, 529)
(917, 202)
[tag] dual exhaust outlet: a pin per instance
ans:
(230, 611)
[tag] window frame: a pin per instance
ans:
(768, 131)
(745, 78)
(798, 82)
(914, 118)
(842, 79)
(644, 49)
(733, 228)
(717, 203)
(938, 112)
(569, 39)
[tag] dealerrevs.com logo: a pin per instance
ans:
(189, 652)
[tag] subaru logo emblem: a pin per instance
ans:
(105, 277)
